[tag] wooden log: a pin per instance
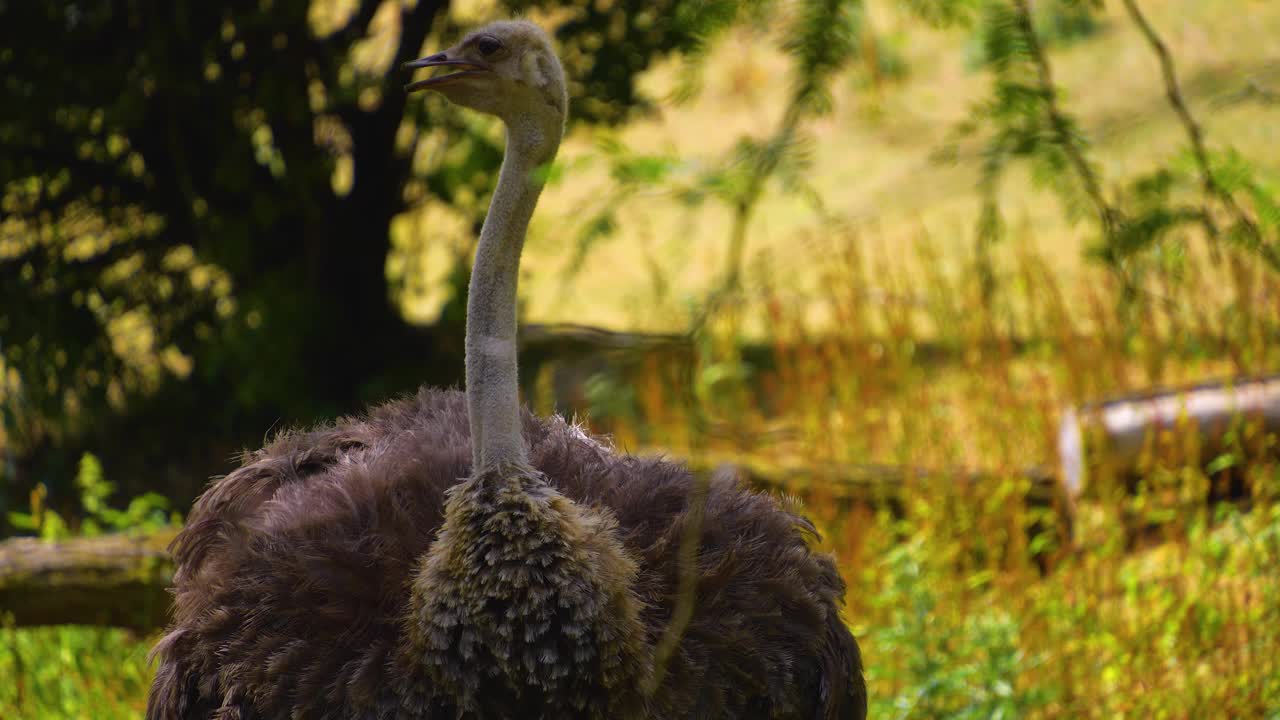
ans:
(111, 580)
(1119, 438)
(874, 484)
(569, 339)
(838, 492)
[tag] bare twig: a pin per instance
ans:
(1195, 133)
(744, 208)
(813, 72)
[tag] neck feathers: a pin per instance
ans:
(493, 396)
(535, 590)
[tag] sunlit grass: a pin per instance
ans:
(72, 672)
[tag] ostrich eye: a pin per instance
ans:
(488, 45)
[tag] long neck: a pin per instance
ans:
(493, 396)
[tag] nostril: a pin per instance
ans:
(426, 61)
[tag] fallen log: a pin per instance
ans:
(111, 580)
(874, 484)
(836, 492)
(1114, 442)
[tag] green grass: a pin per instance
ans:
(72, 672)
(1186, 630)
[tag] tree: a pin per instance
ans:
(197, 202)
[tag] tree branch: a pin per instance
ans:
(1212, 188)
(357, 26)
(415, 23)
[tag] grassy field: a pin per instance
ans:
(953, 611)
(885, 352)
(72, 672)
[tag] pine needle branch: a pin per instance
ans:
(1108, 216)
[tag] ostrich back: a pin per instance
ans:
(292, 588)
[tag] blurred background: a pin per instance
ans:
(992, 285)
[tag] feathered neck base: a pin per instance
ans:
(523, 606)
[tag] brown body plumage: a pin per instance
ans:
(313, 585)
(450, 556)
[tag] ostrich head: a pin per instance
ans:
(507, 69)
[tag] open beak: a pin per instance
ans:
(467, 69)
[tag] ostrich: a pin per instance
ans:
(454, 556)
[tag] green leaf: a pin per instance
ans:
(1222, 462)
(23, 521)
